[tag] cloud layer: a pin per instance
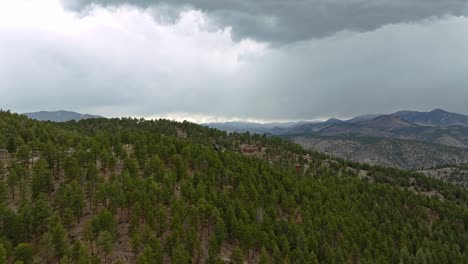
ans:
(115, 59)
(159, 61)
(282, 21)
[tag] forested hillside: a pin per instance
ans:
(142, 191)
(389, 152)
(405, 139)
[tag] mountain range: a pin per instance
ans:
(59, 116)
(404, 139)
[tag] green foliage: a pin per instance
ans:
(163, 186)
(41, 179)
(237, 257)
(106, 242)
(104, 221)
(24, 253)
(41, 212)
(180, 255)
(23, 154)
(264, 257)
(11, 145)
(2, 169)
(3, 255)
(59, 240)
(148, 257)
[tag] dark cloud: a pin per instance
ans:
(122, 61)
(404, 66)
(284, 21)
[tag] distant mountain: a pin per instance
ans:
(405, 139)
(434, 118)
(258, 128)
(389, 123)
(390, 126)
(363, 118)
(379, 126)
(59, 116)
(437, 117)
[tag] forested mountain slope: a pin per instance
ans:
(141, 191)
(389, 152)
(405, 139)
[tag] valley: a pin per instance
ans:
(404, 139)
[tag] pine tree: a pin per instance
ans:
(11, 145)
(3, 255)
(59, 239)
(23, 154)
(420, 257)
(405, 257)
(237, 257)
(41, 179)
(106, 242)
(264, 257)
(313, 258)
(13, 180)
(46, 248)
(88, 235)
(180, 255)
(2, 169)
(3, 192)
(147, 256)
(67, 219)
(72, 169)
(24, 252)
(80, 254)
(136, 243)
(77, 202)
(41, 212)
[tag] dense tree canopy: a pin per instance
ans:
(157, 191)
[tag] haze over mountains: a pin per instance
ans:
(59, 116)
(405, 139)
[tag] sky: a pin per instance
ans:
(223, 60)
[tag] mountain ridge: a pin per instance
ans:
(434, 130)
(59, 116)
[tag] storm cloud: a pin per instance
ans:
(282, 21)
(190, 62)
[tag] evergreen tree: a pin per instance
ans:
(41, 179)
(106, 242)
(41, 212)
(237, 257)
(147, 257)
(24, 253)
(59, 239)
(3, 255)
(264, 257)
(313, 258)
(46, 248)
(2, 169)
(11, 145)
(23, 154)
(420, 257)
(405, 257)
(180, 255)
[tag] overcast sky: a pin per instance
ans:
(215, 60)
